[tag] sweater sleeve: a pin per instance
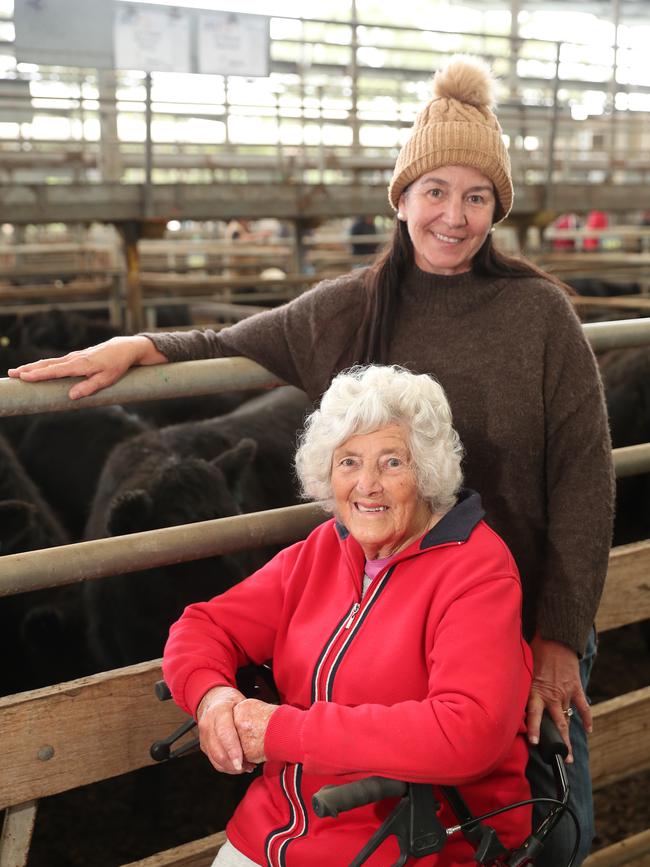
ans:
(580, 485)
(211, 640)
(479, 677)
(303, 342)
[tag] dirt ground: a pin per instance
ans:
(156, 808)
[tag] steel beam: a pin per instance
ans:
(73, 202)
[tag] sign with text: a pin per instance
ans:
(230, 43)
(113, 34)
(152, 38)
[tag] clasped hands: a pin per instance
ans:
(232, 729)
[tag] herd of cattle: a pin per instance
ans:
(93, 473)
(107, 471)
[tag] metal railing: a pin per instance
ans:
(95, 559)
(338, 99)
(190, 378)
(67, 564)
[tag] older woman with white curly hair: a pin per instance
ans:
(368, 400)
(394, 632)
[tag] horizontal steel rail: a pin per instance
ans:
(183, 379)
(68, 564)
(621, 334)
(632, 460)
(187, 378)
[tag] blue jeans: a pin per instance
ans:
(559, 844)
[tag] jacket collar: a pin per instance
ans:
(458, 523)
(455, 526)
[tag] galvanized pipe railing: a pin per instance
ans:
(183, 379)
(68, 564)
(188, 378)
(621, 334)
(118, 555)
(631, 460)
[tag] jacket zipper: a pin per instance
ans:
(353, 614)
(322, 685)
(342, 637)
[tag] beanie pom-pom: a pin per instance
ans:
(466, 79)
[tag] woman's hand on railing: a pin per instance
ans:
(101, 365)
(218, 735)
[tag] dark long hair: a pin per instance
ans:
(383, 279)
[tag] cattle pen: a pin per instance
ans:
(84, 731)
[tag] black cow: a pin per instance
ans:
(62, 330)
(13, 355)
(626, 377)
(602, 288)
(64, 453)
(196, 471)
(42, 632)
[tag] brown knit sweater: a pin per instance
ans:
(526, 398)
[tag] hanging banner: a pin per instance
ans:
(64, 32)
(112, 34)
(231, 43)
(152, 38)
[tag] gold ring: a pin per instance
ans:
(568, 712)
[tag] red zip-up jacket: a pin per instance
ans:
(424, 679)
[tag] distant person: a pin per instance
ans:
(504, 341)
(595, 220)
(565, 221)
(363, 226)
(238, 230)
(243, 230)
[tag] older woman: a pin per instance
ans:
(503, 340)
(394, 631)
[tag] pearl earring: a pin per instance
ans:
(400, 216)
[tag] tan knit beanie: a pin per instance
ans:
(457, 128)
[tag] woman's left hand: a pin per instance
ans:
(556, 686)
(251, 720)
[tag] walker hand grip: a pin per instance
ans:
(332, 800)
(162, 691)
(550, 741)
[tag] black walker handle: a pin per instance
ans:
(332, 800)
(550, 741)
(415, 824)
(161, 750)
